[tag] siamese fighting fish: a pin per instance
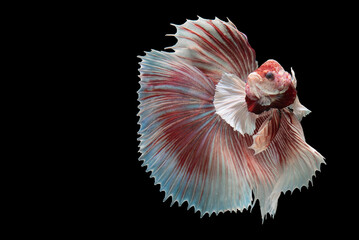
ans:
(217, 131)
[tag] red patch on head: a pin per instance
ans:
(270, 65)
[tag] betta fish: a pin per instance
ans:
(216, 130)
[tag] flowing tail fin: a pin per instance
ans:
(192, 153)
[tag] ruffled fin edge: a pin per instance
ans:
(173, 138)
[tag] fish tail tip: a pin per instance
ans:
(217, 19)
(202, 214)
(175, 25)
(170, 48)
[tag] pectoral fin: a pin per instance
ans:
(299, 110)
(266, 132)
(230, 104)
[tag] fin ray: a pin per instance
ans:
(215, 47)
(293, 161)
(189, 150)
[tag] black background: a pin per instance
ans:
(90, 180)
(315, 41)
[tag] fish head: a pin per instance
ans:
(270, 86)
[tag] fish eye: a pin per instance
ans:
(270, 76)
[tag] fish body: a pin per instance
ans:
(216, 130)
